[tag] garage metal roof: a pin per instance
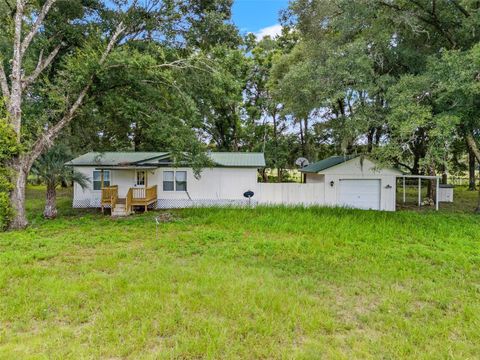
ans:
(117, 159)
(327, 163)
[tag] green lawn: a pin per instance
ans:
(241, 283)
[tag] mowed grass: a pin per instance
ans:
(241, 283)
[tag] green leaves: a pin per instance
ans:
(51, 169)
(9, 147)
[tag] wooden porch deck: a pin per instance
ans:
(135, 197)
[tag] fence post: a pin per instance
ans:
(419, 192)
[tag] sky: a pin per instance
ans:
(258, 16)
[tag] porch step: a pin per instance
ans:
(119, 210)
(119, 214)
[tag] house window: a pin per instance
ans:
(174, 181)
(181, 181)
(97, 179)
(168, 183)
(140, 178)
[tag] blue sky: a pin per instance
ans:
(258, 16)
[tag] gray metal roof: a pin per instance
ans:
(113, 158)
(238, 159)
(327, 163)
(116, 159)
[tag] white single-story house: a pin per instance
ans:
(123, 180)
(149, 179)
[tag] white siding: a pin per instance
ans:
(315, 178)
(227, 185)
(354, 169)
(214, 184)
(357, 167)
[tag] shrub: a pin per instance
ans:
(9, 147)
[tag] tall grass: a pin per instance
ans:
(241, 283)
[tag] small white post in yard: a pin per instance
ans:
(419, 192)
(156, 227)
(404, 195)
(436, 193)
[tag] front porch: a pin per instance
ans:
(135, 197)
(123, 203)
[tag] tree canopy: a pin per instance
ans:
(397, 80)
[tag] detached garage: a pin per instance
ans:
(353, 181)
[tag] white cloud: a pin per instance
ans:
(271, 31)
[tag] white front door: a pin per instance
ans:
(360, 193)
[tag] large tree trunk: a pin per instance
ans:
(264, 175)
(471, 171)
(472, 146)
(416, 164)
(20, 169)
(50, 211)
(21, 166)
(302, 137)
(432, 184)
(306, 150)
(370, 135)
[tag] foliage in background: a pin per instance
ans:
(393, 78)
(8, 149)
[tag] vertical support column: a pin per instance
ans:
(404, 191)
(419, 192)
(146, 186)
(437, 190)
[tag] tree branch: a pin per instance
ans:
(41, 65)
(46, 141)
(433, 21)
(405, 165)
(472, 144)
(10, 7)
(36, 25)
(15, 100)
(460, 8)
(4, 82)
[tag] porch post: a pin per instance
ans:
(419, 191)
(146, 185)
(436, 194)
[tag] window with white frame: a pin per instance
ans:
(168, 181)
(181, 181)
(97, 179)
(140, 178)
(174, 181)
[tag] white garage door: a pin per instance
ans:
(360, 194)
